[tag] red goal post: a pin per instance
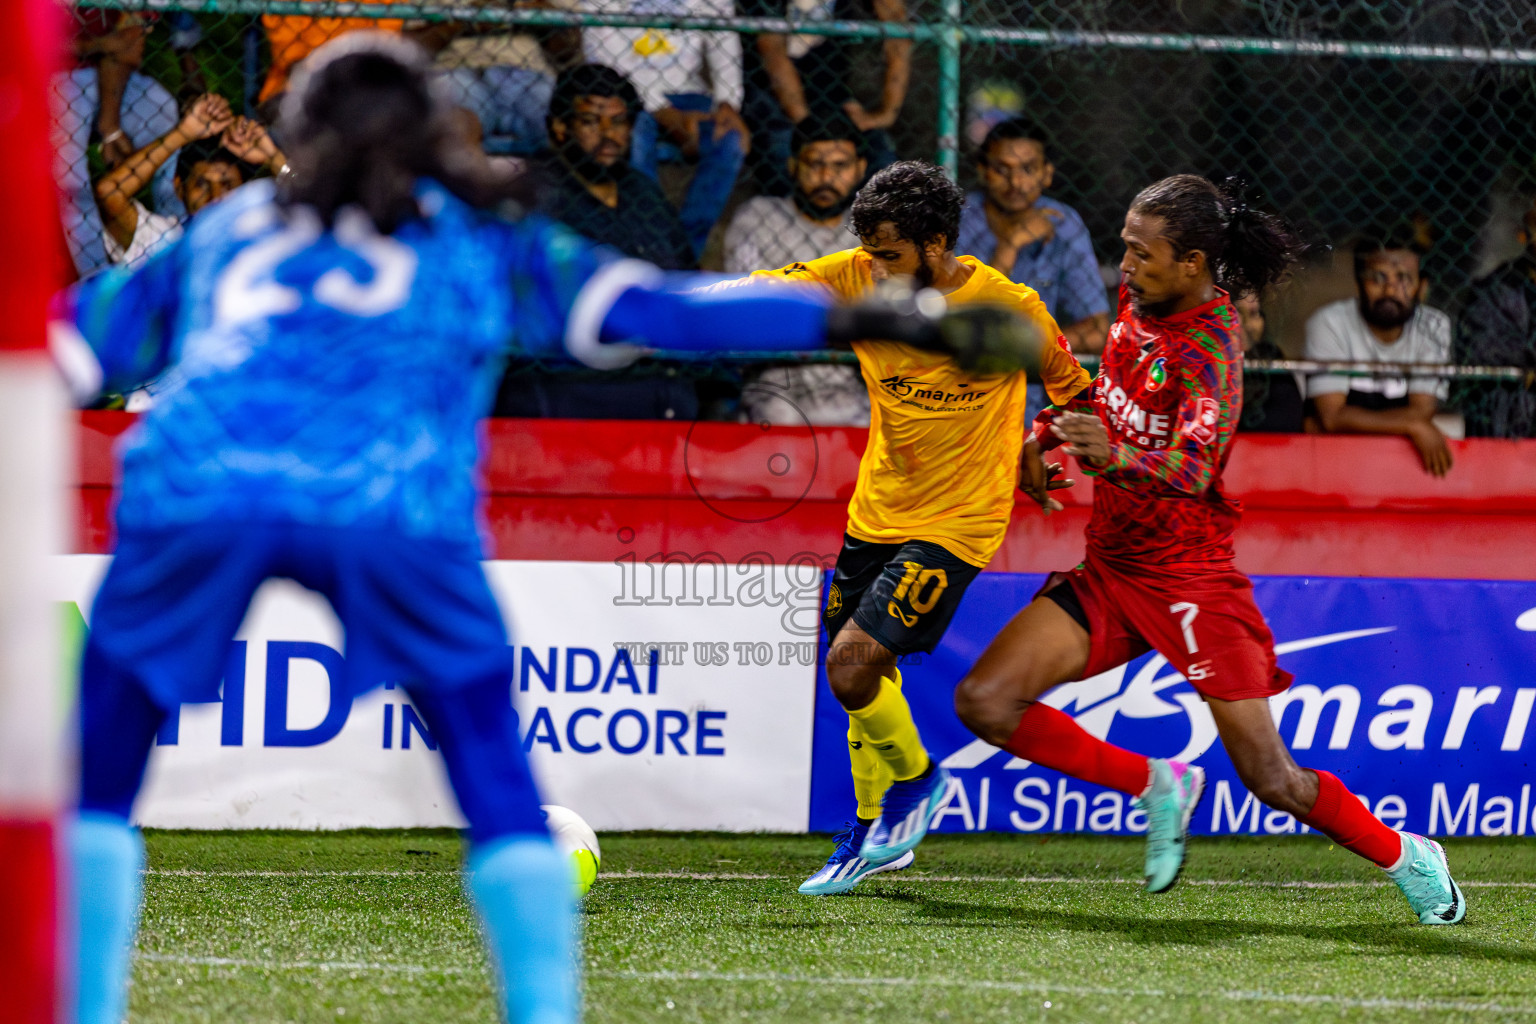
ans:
(34, 441)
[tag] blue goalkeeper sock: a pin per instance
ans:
(106, 855)
(524, 892)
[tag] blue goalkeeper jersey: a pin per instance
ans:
(325, 377)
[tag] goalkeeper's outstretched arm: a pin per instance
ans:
(124, 327)
(630, 308)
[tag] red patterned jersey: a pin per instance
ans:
(1170, 391)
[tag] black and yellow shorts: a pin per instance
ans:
(903, 595)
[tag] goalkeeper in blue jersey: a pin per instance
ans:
(324, 346)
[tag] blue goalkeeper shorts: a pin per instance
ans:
(416, 612)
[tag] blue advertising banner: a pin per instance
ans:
(1418, 694)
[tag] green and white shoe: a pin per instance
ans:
(1168, 803)
(1424, 875)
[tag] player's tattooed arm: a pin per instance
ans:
(1084, 436)
(1190, 463)
(1041, 432)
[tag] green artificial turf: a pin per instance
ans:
(372, 926)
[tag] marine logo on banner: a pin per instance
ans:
(1105, 698)
(1386, 698)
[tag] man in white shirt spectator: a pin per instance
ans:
(827, 167)
(690, 86)
(205, 170)
(1386, 323)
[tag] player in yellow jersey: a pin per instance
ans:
(933, 499)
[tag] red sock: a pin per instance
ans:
(1339, 815)
(1050, 738)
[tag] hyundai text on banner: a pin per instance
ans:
(668, 695)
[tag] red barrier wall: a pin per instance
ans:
(598, 490)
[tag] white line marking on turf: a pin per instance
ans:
(298, 965)
(729, 876)
(1084, 990)
(193, 873)
(1045, 988)
(892, 877)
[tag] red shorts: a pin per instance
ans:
(1208, 627)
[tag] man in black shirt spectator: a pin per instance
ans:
(587, 182)
(590, 184)
(1498, 328)
(1272, 402)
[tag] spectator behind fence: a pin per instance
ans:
(792, 75)
(504, 78)
(1498, 328)
(1387, 322)
(1033, 239)
(1272, 402)
(215, 153)
(105, 90)
(293, 36)
(689, 82)
(589, 184)
(828, 167)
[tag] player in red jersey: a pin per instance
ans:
(1158, 572)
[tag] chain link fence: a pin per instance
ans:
(730, 136)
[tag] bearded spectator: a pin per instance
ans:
(828, 167)
(592, 186)
(1387, 322)
(690, 88)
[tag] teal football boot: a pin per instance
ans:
(1424, 875)
(905, 811)
(1168, 803)
(845, 868)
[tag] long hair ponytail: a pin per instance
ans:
(1245, 248)
(363, 121)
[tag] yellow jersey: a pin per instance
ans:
(942, 460)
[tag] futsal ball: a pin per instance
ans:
(575, 837)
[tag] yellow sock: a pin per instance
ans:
(871, 777)
(887, 723)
